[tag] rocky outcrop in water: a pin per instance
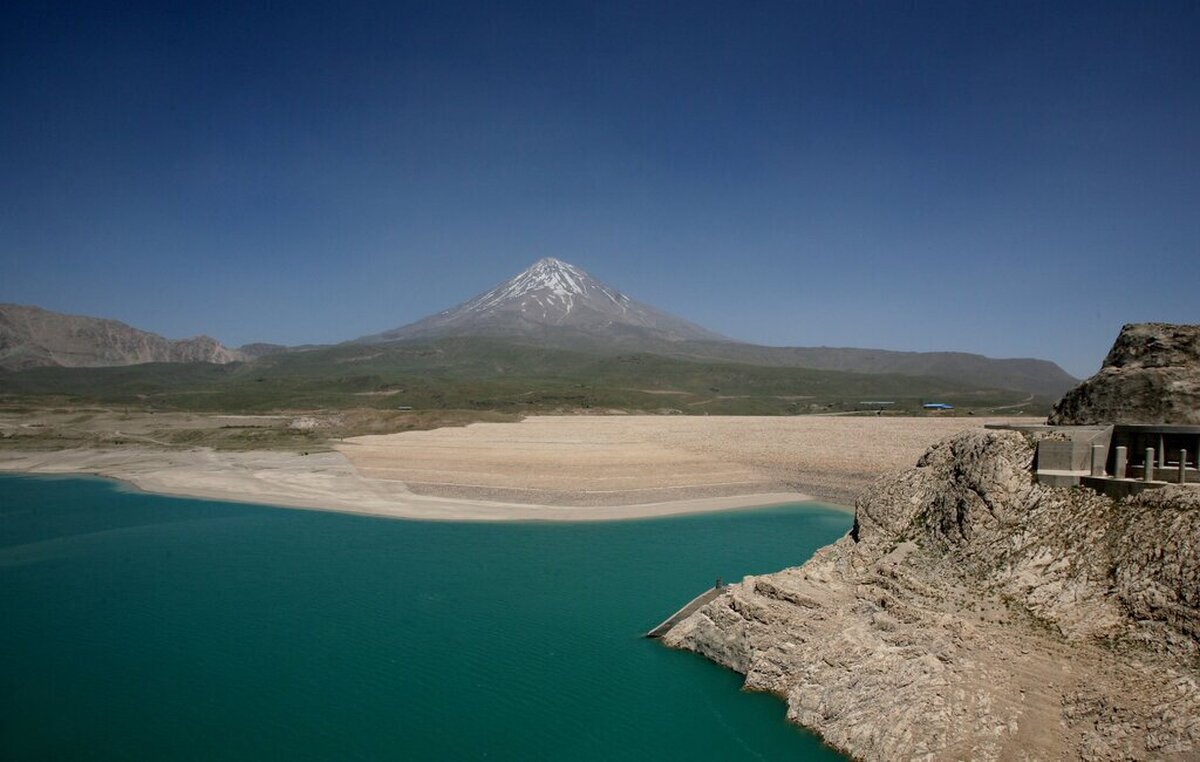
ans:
(1151, 375)
(974, 614)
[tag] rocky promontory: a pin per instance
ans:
(1151, 375)
(975, 614)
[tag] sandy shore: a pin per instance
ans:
(553, 468)
(327, 481)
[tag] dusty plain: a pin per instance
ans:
(543, 468)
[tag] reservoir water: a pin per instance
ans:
(136, 626)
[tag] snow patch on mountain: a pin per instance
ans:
(552, 284)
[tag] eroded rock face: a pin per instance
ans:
(1151, 375)
(972, 613)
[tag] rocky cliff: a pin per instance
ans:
(1151, 375)
(974, 614)
(32, 337)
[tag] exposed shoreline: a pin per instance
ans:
(545, 468)
(327, 482)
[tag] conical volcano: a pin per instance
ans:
(549, 300)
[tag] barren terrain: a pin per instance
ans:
(547, 467)
(608, 460)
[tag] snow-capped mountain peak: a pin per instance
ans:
(551, 294)
(551, 287)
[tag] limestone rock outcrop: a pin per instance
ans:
(1151, 375)
(974, 614)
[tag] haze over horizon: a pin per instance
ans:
(1015, 180)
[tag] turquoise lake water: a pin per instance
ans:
(135, 626)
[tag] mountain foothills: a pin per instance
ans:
(551, 338)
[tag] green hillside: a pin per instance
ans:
(483, 374)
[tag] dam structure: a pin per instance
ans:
(1117, 460)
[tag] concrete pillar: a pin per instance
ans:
(1097, 460)
(1148, 472)
(1183, 466)
(1122, 459)
(1162, 452)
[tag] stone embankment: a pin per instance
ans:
(974, 614)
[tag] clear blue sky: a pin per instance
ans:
(1016, 179)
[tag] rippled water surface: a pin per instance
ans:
(135, 626)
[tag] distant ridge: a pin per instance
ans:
(31, 337)
(1030, 375)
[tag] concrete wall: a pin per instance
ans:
(1060, 462)
(1063, 455)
